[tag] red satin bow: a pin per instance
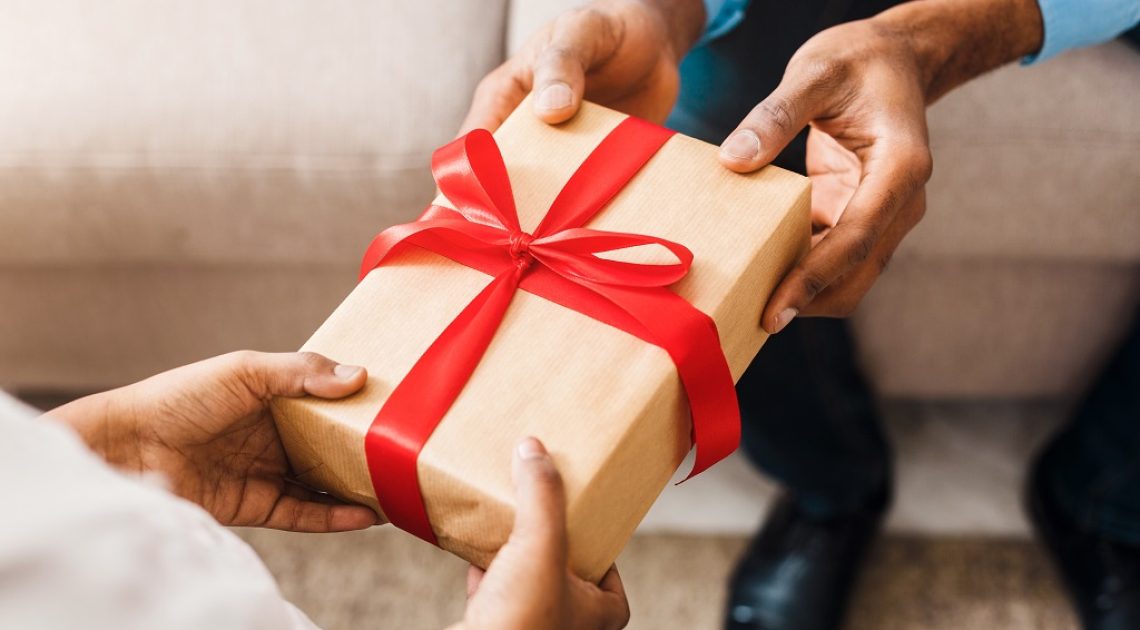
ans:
(557, 262)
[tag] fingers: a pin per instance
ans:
(296, 374)
(298, 515)
(771, 125)
(602, 605)
(611, 582)
(540, 507)
(843, 296)
(614, 604)
(892, 177)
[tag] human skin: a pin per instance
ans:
(863, 88)
(208, 430)
(529, 584)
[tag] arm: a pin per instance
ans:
(863, 87)
(207, 429)
(79, 542)
(955, 41)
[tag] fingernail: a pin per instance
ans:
(742, 145)
(783, 318)
(347, 372)
(530, 448)
(555, 96)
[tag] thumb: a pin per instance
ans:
(540, 506)
(560, 77)
(297, 374)
(579, 40)
(769, 127)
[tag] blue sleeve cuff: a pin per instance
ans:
(721, 17)
(1077, 23)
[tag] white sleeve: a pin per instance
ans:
(82, 546)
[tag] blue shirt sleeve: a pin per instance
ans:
(1077, 23)
(721, 17)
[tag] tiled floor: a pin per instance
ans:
(385, 579)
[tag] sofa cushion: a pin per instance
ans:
(256, 131)
(975, 328)
(1039, 162)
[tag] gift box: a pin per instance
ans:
(480, 356)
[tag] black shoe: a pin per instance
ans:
(1102, 576)
(799, 571)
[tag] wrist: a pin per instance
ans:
(954, 41)
(104, 426)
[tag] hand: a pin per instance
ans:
(619, 53)
(859, 86)
(528, 585)
(207, 428)
(864, 88)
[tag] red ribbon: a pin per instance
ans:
(558, 262)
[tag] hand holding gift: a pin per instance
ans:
(528, 584)
(862, 88)
(206, 429)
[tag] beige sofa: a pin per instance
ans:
(182, 179)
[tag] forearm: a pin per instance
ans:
(685, 21)
(955, 41)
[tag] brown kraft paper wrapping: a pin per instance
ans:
(608, 406)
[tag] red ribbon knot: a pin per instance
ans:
(520, 250)
(483, 232)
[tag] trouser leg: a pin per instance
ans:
(1092, 465)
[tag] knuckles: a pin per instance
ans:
(813, 282)
(780, 111)
(921, 164)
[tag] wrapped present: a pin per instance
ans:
(596, 284)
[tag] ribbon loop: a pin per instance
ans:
(574, 252)
(470, 172)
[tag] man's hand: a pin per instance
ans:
(864, 88)
(528, 584)
(618, 53)
(859, 87)
(207, 428)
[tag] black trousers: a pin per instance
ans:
(809, 415)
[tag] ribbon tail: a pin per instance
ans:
(692, 341)
(418, 404)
